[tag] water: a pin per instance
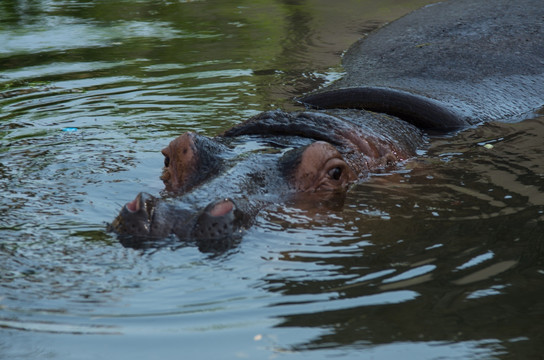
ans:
(442, 259)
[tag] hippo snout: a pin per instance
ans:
(147, 218)
(218, 226)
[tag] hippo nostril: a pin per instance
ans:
(221, 208)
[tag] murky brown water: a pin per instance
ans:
(443, 259)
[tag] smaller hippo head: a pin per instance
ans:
(328, 152)
(192, 159)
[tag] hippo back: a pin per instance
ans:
(448, 65)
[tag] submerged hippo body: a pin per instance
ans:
(441, 68)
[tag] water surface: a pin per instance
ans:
(442, 259)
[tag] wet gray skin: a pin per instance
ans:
(253, 165)
(447, 66)
(442, 68)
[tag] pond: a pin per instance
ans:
(440, 259)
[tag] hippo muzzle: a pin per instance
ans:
(218, 226)
(146, 219)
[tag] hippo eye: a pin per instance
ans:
(335, 173)
(166, 161)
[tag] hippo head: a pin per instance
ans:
(215, 186)
(319, 151)
(191, 159)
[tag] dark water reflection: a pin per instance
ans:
(440, 260)
(461, 233)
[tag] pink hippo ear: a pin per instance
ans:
(180, 162)
(189, 160)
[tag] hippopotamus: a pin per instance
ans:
(266, 159)
(442, 68)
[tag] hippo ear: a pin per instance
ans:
(423, 112)
(190, 159)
